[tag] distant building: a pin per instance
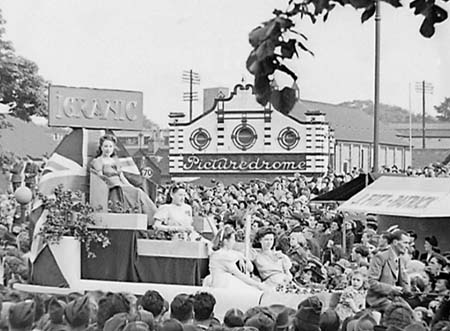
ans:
(149, 140)
(353, 132)
(437, 141)
(437, 135)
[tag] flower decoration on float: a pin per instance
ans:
(69, 215)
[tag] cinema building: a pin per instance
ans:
(236, 139)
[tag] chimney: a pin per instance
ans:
(209, 94)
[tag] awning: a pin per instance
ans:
(347, 190)
(403, 196)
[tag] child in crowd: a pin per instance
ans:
(352, 299)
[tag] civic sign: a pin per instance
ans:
(244, 162)
(95, 108)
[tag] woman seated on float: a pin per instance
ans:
(176, 215)
(228, 267)
(273, 266)
(106, 165)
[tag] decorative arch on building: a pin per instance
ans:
(200, 139)
(244, 136)
(288, 138)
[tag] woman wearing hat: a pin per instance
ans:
(431, 247)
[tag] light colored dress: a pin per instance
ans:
(273, 269)
(223, 269)
(130, 197)
(174, 215)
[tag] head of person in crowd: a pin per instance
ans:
(357, 280)
(182, 308)
(368, 237)
(171, 324)
(204, 304)
(397, 316)
(400, 242)
(431, 245)
(21, 316)
(153, 302)
(265, 239)
(329, 321)
(297, 240)
(233, 318)
(77, 313)
(437, 264)
(359, 253)
(442, 283)
(262, 319)
(177, 195)
(225, 238)
(308, 314)
(109, 305)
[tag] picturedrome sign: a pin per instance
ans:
(244, 162)
(95, 108)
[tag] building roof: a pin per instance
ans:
(349, 124)
(26, 138)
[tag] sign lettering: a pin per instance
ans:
(95, 108)
(245, 162)
(394, 201)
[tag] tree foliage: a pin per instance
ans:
(443, 110)
(21, 86)
(276, 41)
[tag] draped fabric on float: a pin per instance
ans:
(69, 166)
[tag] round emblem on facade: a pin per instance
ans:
(244, 136)
(200, 139)
(288, 138)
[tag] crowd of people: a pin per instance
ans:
(375, 280)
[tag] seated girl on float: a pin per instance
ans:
(228, 267)
(273, 266)
(176, 215)
(120, 191)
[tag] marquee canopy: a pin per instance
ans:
(403, 196)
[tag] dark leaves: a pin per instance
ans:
(420, 6)
(433, 15)
(262, 89)
(304, 48)
(288, 49)
(368, 13)
(394, 3)
(284, 100)
(361, 4)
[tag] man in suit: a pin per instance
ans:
(387, 273)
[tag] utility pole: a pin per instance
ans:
(424, 88)
(377, 86)
(191, 78)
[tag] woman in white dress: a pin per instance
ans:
(227, 266)
(175, 216)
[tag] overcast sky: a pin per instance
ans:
(145, 46)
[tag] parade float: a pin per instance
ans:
(80, 244)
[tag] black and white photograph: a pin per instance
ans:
(224, 165)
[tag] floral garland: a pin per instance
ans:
(69, 215)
